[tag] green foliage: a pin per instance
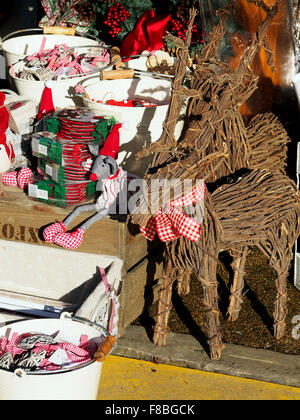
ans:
(137, 7)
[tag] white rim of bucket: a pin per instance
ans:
(118, 108)
(114, 107)
(22, 31)
(58, 80)
(49, 372)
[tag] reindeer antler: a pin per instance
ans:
(167, 139)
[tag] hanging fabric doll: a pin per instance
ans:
(111, 181)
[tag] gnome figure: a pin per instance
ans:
(110, 182)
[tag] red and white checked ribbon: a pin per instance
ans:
(170, 223)
(52, 230)
(17, 179)
(11, 346)
(69, 240)
(76, 354)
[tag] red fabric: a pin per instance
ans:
(112, 143)
(24, 177)
(4, 122)
(51, 231)
(75, 353)
(10, 178)
(10, 346)
(147, 34)
(69, 240)
(127, 103)
(170, 223)
(46, 104)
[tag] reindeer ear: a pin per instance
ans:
(112, 163)
(94, 149)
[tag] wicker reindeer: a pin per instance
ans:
(216, 92)
(260, 208)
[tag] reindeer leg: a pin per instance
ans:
(164, 306)
(210, 289)
(236, 290)
(183, 283)
(279, 251)
(280, 311)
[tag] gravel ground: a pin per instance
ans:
(254, 327)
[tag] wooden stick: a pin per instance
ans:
(236, 289)
(59, 30)
(105, 348)
(164, 306)
(117, 74)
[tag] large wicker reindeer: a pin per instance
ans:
(259, 209)
(216, 92)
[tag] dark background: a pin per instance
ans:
(19, 14)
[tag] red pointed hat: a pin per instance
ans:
(112, 143)
(4, 124)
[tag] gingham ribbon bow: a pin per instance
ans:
(10, 346)
(17, 179)
(170, 223)
(75, 353)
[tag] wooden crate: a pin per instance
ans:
(23, 219)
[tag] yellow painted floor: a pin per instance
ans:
(129, 379)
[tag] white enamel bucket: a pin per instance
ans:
(80, 383)
(16, 48)
(141, 125)
(62, 90)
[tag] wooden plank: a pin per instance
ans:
(140, 289)
(24, 219)
(38, 300)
